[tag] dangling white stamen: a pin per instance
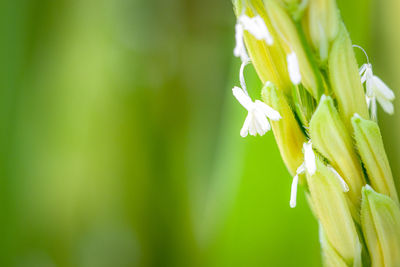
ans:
(293, 68)
(371, 104)
(309, 158)
(342, 182)
(256, 26)
(384, 95)
(376, 89)
(293, 192)
(366, 72)
(240, 48)
(295, 182)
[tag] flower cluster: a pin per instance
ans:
(259, 112)
(322, 109)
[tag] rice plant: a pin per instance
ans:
(322, 109)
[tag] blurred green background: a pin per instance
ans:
(120, 137)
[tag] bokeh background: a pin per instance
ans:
(119, 137)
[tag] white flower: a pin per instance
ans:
(258, 112)
(256, 121)
(308, 165)
(376, 90)
(256, 26)
(293, 68)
